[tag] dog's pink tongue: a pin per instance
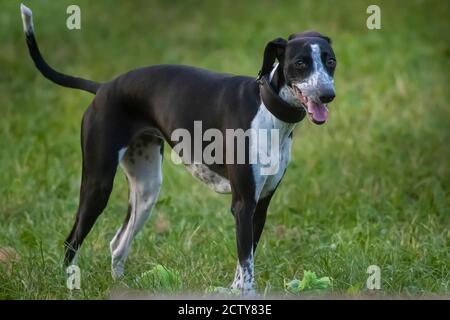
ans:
(318, 111)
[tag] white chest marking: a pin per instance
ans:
(264, 184)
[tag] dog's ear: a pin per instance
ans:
(274, 50)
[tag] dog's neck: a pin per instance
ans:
(278, 83)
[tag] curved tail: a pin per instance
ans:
(47, 71)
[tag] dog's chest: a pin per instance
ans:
(277, 148)
(270, 148)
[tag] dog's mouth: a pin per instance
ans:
(317, 112)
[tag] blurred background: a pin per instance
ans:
(371, 187)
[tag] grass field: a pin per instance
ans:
(370, 187)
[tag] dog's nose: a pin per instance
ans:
(327, 96)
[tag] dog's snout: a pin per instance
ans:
(327, 96)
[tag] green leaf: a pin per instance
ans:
(159, 278)
(309, 282)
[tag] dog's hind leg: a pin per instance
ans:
(100, 160)
(142, 164)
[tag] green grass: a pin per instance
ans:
(370, 187)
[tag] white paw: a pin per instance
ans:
(247, 288)
(117, 269)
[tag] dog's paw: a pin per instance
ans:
(117, 271)
(247, 289)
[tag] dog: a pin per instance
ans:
(131, 116)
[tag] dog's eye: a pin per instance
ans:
(331, 63)
(301, 64)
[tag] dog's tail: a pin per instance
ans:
(47, 71)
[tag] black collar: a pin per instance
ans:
(277, 106)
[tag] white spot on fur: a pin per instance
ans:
(288, 95)
(213, 180)
(244, 278)
(27, 18)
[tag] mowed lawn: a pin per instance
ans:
(371, 187)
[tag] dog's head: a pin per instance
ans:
(304, 76)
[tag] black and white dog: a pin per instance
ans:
(131, 116)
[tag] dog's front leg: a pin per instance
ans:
(243, 211)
